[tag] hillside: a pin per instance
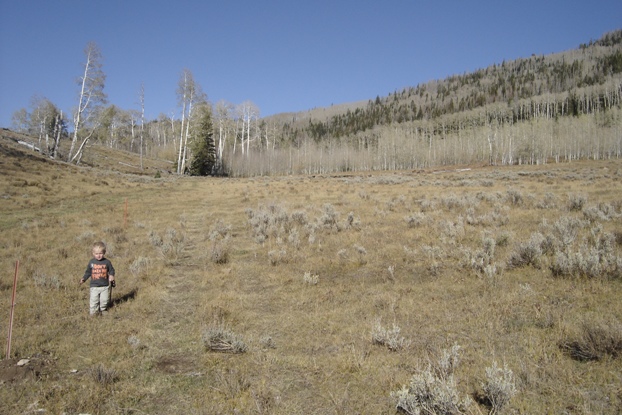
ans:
(568, 83)
(319, 294)
(97, 156)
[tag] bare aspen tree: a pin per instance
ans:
(184, 94)
(189, 93)
(59, 129)
(247, 112)
(91, 97)
(141, 97)
(41, 117)
(222, 114)
(240, 117)
(172, 120)
(252, 112)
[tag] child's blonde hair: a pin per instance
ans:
(99, 246)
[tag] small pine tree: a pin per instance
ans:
(203, 149)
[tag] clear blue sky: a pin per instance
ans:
(282, 55)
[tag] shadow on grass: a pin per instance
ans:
(131, 295)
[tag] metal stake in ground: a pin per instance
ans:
(8, 343)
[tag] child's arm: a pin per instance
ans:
(87, 274)
(111, 272)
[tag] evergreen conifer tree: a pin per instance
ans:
(203, 149)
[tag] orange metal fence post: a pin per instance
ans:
(8, 345)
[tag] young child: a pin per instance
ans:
(101, 272)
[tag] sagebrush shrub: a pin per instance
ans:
(277, 256)
(482, 259)
(155, 239)
(514, 197)
(453, 202)
(362, 254)
(220, 338)
(548, 202)
(414, 220)
(433, 391)
(300, 217)
(219, 252)
(133, 341)
(598, 260)
(271, 221)
(267, 342)
(452, 229)
(329, 218)
(219, 230)
(45, 281)
(388, 337)
(448, 362)
(352, 222)
(173, 244)
(499, 387)
(311, 279)
(527, 253)
(85, 236)
(565, 230)
(139, 264)
(576, 202)
(104, 376)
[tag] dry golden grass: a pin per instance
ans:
(312, 264)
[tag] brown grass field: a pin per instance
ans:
(329, 294)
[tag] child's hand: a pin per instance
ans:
(81, 281)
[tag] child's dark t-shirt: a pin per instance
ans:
(98, 271)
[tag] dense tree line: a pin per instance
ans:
(574, 83)
(530, 110)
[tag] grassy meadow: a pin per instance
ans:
(497, 289)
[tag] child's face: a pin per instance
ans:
(98, 254)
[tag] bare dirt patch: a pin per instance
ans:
(175, 364)
(15, 370)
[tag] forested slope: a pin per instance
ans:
(551, 108)
(575, 82)
(535, 110)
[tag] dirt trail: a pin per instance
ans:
(176, 315)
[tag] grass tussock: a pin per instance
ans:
(595, 340)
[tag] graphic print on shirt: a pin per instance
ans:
(99, 271)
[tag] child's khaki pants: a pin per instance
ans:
(99, 299)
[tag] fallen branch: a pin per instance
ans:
(129, 165)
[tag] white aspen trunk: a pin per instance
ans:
(57, 135)
(142, 133)
(181, 135)
(142, 122)
(81, 107)
(243, 130)
(133, 134)
(78, 154)
(235, 138)
(220, 139)
(172, 129)
(248, 134)
(41, 130)
(183, 159)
